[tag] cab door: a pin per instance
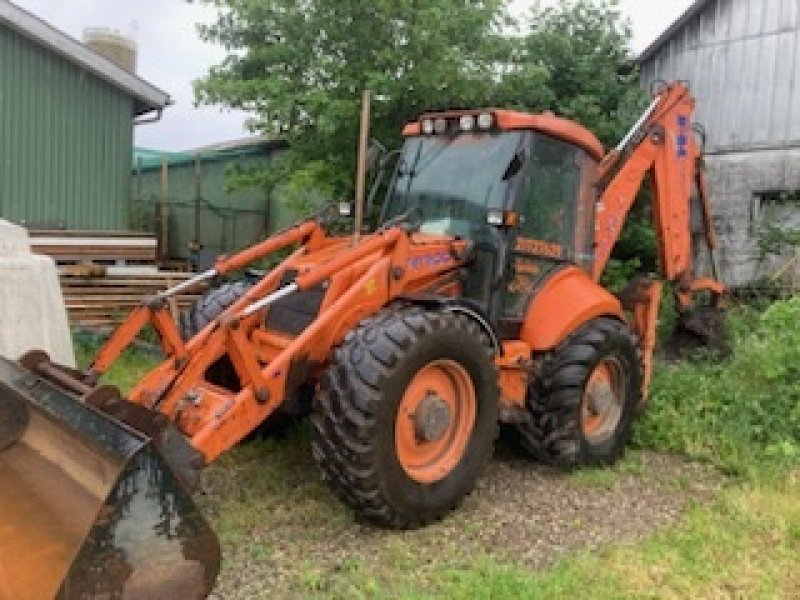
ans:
(556, 222)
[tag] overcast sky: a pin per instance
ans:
(171, 56)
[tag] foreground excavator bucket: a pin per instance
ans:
(93, 499)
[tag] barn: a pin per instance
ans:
(66, 128)
(742, 60)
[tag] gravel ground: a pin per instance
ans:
(285, 536)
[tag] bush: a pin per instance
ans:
(743, 414)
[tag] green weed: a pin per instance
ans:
(742, 414)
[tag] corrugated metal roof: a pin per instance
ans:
(147, 96)
(676, 26)
(147, 158)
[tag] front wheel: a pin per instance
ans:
(406, 415)
(582, 403)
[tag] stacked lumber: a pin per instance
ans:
(104, 247)
(106, 274)
(99, 300)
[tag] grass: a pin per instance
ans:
(124, 373)
(745, 545)
(608, 477)
(742, 415)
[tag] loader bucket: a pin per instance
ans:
(90, 506)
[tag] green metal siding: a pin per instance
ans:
(66, 141)
(229, 220)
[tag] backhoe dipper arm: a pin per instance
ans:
(663, 145)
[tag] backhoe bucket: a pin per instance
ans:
(701, 328)
(93, 505)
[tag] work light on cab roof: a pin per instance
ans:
(455, 123)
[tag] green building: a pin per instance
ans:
(66, 128)
(187, 199)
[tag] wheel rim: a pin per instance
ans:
(603, 399)
(435, 420)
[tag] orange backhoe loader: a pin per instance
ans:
(475, 301)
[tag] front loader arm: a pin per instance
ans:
(358, 281)
(154, 310)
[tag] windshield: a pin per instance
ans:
(447, 183)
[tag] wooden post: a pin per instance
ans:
(198, 194)
(163, 213)
(361, 171)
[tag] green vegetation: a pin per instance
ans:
(299, 69)
(744, 414)
(745, 545)
(126, 372)
(775, 235)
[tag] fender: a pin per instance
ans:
(567, 300)
(461, 306)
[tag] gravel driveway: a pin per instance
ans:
(284, 535)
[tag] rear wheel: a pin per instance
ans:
(211, 305)
(582, 404)
(406, 415)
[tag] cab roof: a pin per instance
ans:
(510, 120)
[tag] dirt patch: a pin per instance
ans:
(284, 535)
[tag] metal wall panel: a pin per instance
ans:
(230, 220)
(66, 141)
(741, 58)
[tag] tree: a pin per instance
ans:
(300, 66)
(581, 49)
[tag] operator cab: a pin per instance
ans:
(519, 186)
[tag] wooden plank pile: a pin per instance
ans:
(107, 299)
(105, 275)
(100, 247)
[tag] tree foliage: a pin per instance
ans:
(299, 66)
(776, 230)
(583, 48)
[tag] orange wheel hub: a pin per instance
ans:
(603, 400)
(435, 420)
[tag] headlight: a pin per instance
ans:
(495, 217)
(427, 127)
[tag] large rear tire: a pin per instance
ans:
(211, 305)
(405, 417)
(583, 402)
